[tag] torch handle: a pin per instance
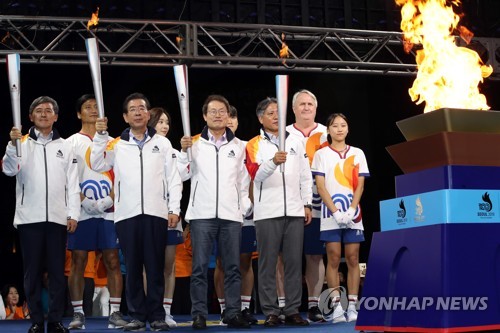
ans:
(95, 71)
(181, 82)
(282, 96)
(14, 73)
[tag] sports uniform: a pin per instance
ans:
(95, 231)
(314, 141)
(341, 171)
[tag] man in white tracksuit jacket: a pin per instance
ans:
(218, 201)
(148, 190)
(47, 206)
(282, 205)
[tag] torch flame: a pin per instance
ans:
(94, 20)
(448, 75)
(284, 49)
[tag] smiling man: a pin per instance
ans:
(147, 198)
(217, 204)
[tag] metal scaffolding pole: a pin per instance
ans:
(128, 42)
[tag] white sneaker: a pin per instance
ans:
(78, 322)
(170, 321)
(338, 315)
(352, 313)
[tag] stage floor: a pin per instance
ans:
(99, 324)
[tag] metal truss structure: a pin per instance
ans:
(56, 40)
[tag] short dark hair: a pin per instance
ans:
(133, 96)
(331, 119)
(262, 106)
(44, 99)
(156, 113)
(80, 101)
(233, 112)
(218, 98)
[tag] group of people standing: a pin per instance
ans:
(95, 192)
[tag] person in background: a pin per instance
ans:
(217, 203)
(47, 208)
(160, 120)
(88, 285)
(340, 172)
(282, 206)
(248, 245)
(2, 309)
(13, 310)
(313, 136)
(147, 202)
(100, 299)
(183, 269)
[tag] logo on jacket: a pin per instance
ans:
(59, 154)
(156, 149)
(231, 154)
(292, 151)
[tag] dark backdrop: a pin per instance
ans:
(372, 104)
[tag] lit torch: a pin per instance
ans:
(14, 73)
(284, 49)
(282, 97)
(181, 81)
(95, 65)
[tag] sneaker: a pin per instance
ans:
(170, 321)
(248, 316)
(281, 316)
(159, 325)
(78, 322)
(314, 315)
(352, 314)
(135, 326)
(223, 321)
(116, 320)
(338, 315)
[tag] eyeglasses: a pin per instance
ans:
(139, 109)
(221, 112)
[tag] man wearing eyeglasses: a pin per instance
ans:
(217, 203)
(148, 190)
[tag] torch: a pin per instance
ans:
(282, 96)
(95, 70)
(14, 72)
(181, 81)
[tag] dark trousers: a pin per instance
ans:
(43, 247)
(228, 236)
(143, 240)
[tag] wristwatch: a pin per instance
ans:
(308, 206)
